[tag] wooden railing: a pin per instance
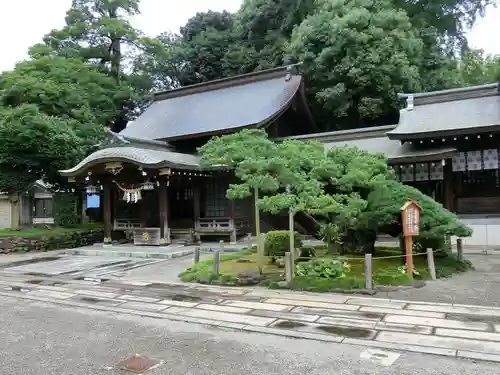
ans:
(126, 224)
(214, 225)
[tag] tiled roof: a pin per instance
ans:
(217, 107)
(394, 150)
(449, 112)
(145, 157)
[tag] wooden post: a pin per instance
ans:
(460, 250)
(106, 206)
(216, 263)
(291, 234)
(430, 263)
(221, 245)
(196, 255)
(410, 220)
(249, 239)
(163, 203)
(368, 271)
(196, 202)
(409, 254)
(288, 267)
(258, 235)
(449, 194)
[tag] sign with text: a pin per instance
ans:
(410, 215)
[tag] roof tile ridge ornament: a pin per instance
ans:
(410, 102)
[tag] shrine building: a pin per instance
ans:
(446, 144)
(149, 174)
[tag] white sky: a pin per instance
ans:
(24, 22)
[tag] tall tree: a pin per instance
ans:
(67, 88)
(99, 32)
(358, 55)
(253, 158)
(34, 145)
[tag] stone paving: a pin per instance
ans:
(156, 252)
(453, 330)
(475, 287)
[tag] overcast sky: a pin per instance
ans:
(24, 22)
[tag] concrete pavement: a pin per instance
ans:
(40, 338)
(457, 331)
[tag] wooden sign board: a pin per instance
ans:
(410, 215)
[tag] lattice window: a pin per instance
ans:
(216, 204)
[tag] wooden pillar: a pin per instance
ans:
(163, 203)
(106, 206)
(449, 193)
(196, 201)
(232, 213)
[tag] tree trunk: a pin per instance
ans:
(292, 235)
(257, 221)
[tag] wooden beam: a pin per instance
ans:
(106, 205)
(163, 203)
(449, 193)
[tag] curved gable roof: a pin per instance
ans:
(217, 107)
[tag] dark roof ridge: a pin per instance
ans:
(344, 135)
(228, 82)
(441, 96)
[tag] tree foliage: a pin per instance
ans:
(350, 189)
(34, 145)
(375, 52)
(67, 88)
(357, 55)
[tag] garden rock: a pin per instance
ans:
(249, 278)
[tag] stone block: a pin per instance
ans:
(402, 347)
(294, 334)
(466, 334)
(50, 294)
(434, 322)
(478, 356)
(223, 308)
(321, 305)
(257, 305)
(385, 310)
(128, 297)
(347, 322)
(228, 317)
(186, 304)
(285, 315)
(141, 306)
(478, 310)
(342, 314)
(378, 302)
(439, 342)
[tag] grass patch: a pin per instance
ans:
(42, 232)
(386, 271)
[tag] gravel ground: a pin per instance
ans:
(45, 339)
(476, 287)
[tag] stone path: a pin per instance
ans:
(475, 287)
(434, 328)
(155, 252)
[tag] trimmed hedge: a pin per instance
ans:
(56, 241)
(277, 242)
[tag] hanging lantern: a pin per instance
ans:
(148, 186)
(91, 190)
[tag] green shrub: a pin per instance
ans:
(277, 242)
(449, 265)
(323, 268)
(392, 277)
(66, 210)
(322, 285)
